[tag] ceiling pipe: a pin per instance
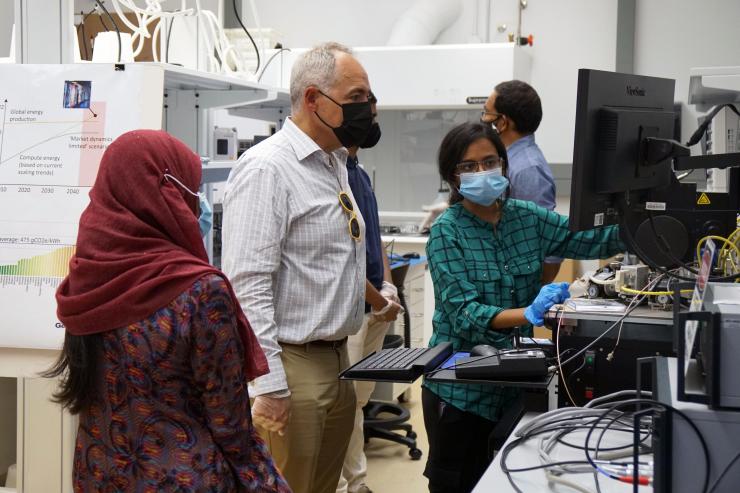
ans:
(424, 21)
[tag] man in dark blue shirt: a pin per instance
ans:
(514, 109)
(381, 308)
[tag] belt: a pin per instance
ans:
(319, 343)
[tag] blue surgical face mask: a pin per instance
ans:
(483, 187)
(205, 219)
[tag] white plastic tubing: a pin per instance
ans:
(144, 17)
(422, 23)
(214, 37)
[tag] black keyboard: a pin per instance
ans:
(400, 358)
(398, 364)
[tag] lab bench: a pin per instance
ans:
(417, 286)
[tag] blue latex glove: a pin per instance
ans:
(550, 294)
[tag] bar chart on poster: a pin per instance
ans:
(55, 123)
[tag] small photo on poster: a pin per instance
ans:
(77, 93)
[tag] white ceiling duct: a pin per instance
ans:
(423, 22)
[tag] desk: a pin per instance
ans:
(411, 277)
(405, 243)
(419, 288)
(526, 455)
(408, 276)
(397, 262)
(640, 315)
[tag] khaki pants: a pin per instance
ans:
(311, 452)
(369, 339)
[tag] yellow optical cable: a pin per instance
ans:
(726, 242)
(652, 293)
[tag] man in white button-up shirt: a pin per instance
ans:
(293, 247)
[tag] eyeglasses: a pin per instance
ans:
(484, 114)
(485, 121)
(371, 98)
(473, 166)
(354, 223)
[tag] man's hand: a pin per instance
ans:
(390, 292)
(271, 413)
(388, 313)
(433, 212)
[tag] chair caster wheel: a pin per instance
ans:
(405, 396)
(411, 435)
(415, 453)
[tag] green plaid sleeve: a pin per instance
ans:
(456, 295)
(559, 241)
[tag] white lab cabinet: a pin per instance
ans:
(35, 434)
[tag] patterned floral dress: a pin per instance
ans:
(172, 409)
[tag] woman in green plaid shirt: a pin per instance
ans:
(485, 256)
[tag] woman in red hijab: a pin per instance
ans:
(158, 352)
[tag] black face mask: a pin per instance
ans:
(373, 136)
(357, 120)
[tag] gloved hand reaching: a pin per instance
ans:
(390, 292)
(389, 312)
(549, 295)
(433, 212)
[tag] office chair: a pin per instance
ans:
(384, 427)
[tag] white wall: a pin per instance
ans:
(6, 24)
(568, 35)
(351, 22)
(673, 36)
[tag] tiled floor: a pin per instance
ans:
(389, 468)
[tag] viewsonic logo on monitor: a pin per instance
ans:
(635, 91)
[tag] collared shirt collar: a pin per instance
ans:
(352, 162)
(304, 146)
(520, 144)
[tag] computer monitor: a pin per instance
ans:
(622, 169)
(614, 112)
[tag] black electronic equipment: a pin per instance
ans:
(680, 463)
(503, 364)
(624, 164)
(711, 378)
(483, 350)
(398, 364)
(259, 138)
(596, 374)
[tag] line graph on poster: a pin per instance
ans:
(56, 121)
(39, 147)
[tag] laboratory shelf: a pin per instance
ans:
(709, 86)
(218, 90)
